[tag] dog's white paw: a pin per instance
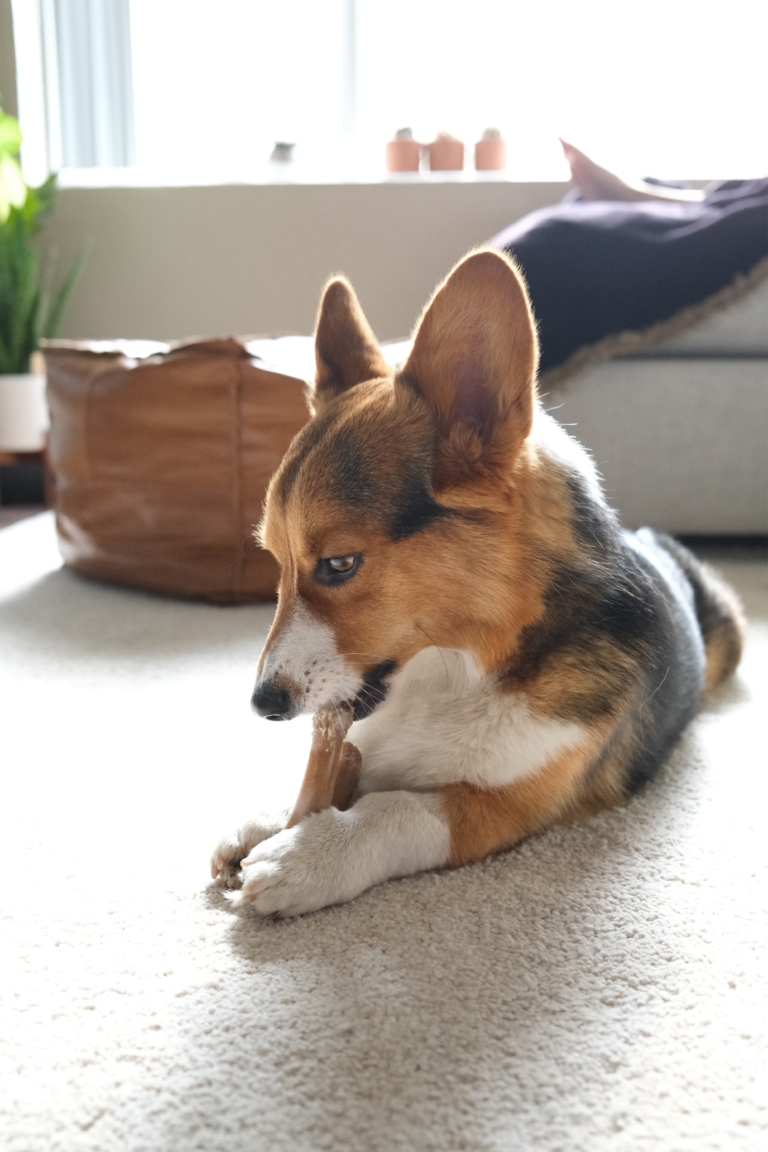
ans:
(229, 852)
(298, 870)
(333, 856)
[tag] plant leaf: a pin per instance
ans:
(49, 326)
(13, 190)
(39, 204)
(26, 310)
(10, 134)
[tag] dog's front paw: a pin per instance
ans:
(295, 871)
(333, 856)
(229, 852)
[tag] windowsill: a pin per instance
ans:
(282, 175)
(304, 175)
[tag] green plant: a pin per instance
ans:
(29, 307)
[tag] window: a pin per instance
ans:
(89, 83)
(666, 87)
(216, 84)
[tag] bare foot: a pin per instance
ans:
(596, 183)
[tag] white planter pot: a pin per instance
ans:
(24, 417)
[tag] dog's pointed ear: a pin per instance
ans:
(346, 351)
(474, 361)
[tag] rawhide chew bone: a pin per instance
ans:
(333, 766)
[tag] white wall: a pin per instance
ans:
(168, 263)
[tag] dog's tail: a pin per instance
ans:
(719, 612)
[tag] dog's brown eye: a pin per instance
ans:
(342, 563)
(337, 569)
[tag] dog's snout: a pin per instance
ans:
(272, 701)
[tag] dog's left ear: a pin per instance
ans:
(474, 361)
(346, 351)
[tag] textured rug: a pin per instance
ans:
(602, 987)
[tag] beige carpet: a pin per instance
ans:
(604, 987)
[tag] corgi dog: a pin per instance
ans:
(450, 568)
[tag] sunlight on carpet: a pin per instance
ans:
(601, 987)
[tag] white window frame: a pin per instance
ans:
(75, 84)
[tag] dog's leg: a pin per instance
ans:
(483, 820)
(333, 856)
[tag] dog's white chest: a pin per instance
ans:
(445, 722)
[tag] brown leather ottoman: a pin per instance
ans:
(161, 463)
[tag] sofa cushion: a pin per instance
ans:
(614, 278)
(680, 443)
(740, 329)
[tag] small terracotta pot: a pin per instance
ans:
(491, 155)
(403, 155)
(446, 155)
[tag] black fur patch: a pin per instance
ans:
(374, 690)
(402, 505)
(415, 507)
(713, 612)
(590, 613)
(613, 617)
(417, 512)
(671, 684)
(347, 475)
(311, 437)
(593, 523)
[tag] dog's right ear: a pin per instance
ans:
(346, 351)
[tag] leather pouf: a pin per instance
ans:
(161, 464)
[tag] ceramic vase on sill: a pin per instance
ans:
(24, 419)
(491, 152)
(446, 153)
(403, 153)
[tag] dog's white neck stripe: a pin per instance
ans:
(444, 722)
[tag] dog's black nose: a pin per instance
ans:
(272, 701)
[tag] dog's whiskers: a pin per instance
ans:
(374, 655)
(442, 657)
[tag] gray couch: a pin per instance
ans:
(680, 433)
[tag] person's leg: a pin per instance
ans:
(596, 183)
